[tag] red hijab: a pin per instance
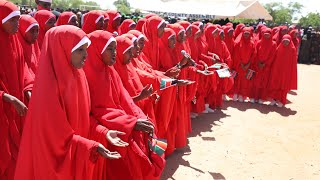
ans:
(31, 52)
(150, 30)
(59, 114)
(65, 18)
(125, 26)
(246, 47)
(150, 15)
(168, 57)
(209, 35)
(113, 15)
(14, 80)
(295, 38)
(42, 17)
(266, 47)
(229, 40)
(278, 36)
(140, 23)
(177, 28)
(238, 30)
(90, 21)
(193, 43)
(186, 25)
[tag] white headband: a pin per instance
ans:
(134, 39)
(133, 23)
(112, 39)
(127, 49)
(214, 31)
(230, 30)
(98, 19)
(71, 17)
(11, 15)
(83, 41)
(31, 26)
(48, 1)
(188, 28)
(117, 16)
(182, 30)
(200, 24)
(286, 39)
(163, 21)
(171, 36)
(140, 36)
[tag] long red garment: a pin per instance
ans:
(65, 18)
(58, 126)
(296, 41)
(90, 21)
(229, 40)
(126, 26)
(265, 50)
(113, 15)
(258, 34)
(244, 53)
(15, 79)
(31, 52)
(282, 70)
(140, 23)
(151, 49)
(113, 107)
(238, 30)
(42, 17)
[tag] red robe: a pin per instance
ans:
(265, 50)
(42, 17)
(64, 18)
(229, 40)
(113, 15)
(114, 108)
(244, 53)
(125, 26)
(31, 52)
(296, 41)
(89, 21)
(280, 81)
(15, 79)
(58, 127)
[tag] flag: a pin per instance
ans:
(166, 83)
(215, 66)
(250, 74)
(223, 73)
(234, 74)
(158, 146)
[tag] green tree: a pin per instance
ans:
(312, 19)
(282, 14)
(123, 6)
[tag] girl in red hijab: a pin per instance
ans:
(153, 29)
(67, 18)
(238, 30)
(257, 35)
(281, 71)
(265, 50)
(283, 30)
(296, 41)
(58, 127)
(114, 21)
(28, 34)
(229, 40)
(106, 20)
(140, 23)
(92, 21)
(46, 21)
(244, 54)
(15, 87)
(126, 26)
(114, 108)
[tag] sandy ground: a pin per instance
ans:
(252, 141)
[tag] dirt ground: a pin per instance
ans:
(250, 141)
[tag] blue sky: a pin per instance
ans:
(310, 5)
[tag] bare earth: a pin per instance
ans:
(252, 141)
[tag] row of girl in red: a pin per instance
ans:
(95, 95)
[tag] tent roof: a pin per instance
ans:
(251, 9)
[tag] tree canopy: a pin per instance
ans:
(284, 14)
(312, 19)
(123, 6)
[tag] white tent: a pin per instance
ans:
(250, 9)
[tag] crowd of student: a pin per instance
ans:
(97, 102)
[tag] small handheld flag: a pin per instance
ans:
(250, 74)
(223, 73)
(234, 74)
(166, 83)
(158, 146)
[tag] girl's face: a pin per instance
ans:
(12, 25)
(105, 24)
(136, 49)
(172, 41)
(181, 37)
(215, 33)
(286, 42)
(109, 55)
(222, 36)
(188, 32)
(230, 33)
(78, 57)
(116, 23)
(127, 56)
(74, 21)
(50, 24)
(161, 30)
(141, 44)
(32, 35)
(246, 35)
(197, 35)
(267, 35)
(100, 24)
(132, 27)
(284, 31)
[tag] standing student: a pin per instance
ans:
(282, 68)
(265, 50)
(106, 20)
(28, 35)
(58, 127)
(92, 21)
(277, 37)
(67, 18)
(15, 88)
(46, 21)
(113, 107)
(114, 21)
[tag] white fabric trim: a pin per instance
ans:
(286, 39)
(140, 36)
(182, 30)
(117, 16)
(83, 41)
(215, 31)
(127, 49)
(188, 28)
(199, 31)
(48, 20)
(163, 21)
(31, 26)
(133, 23)
(134, 39)
(82, 19)
(200, 24)
(48, 1)
(71, 17)
(11, 15)
(171, 36)
(98, 19)
(230, 30)
(107, 18)
(112, 39)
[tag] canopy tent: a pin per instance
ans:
(251, 9)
